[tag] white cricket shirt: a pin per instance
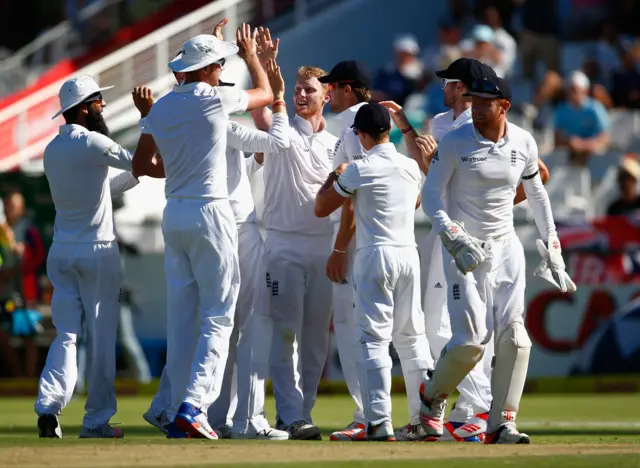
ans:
(443, 123)
(476, 179)
(347, 149)
(76, 164)
(189, 126)
(384, 187)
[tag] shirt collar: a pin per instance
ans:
(463, 115)
(486, 141)
(347, 117)
(68, 128)
(305, 127)
(383, 149)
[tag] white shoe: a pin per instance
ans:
(410, 433)
(348, 433)
(302, 430)
(103, 432)
(432, 415)
(507, 434)
(263, 434)
(380, 433)
(49, 427)
(160, 422)
(474, 427)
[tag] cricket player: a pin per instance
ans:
(84, 262)
(385, 187)
(469, 195)
(350, 89)
(189, 127)
(295, 287)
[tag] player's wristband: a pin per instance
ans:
(279, 101)
(406, 130)
(340, 251)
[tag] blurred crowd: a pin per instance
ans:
(522, 40)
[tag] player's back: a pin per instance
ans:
(385, 201)
(189, 126)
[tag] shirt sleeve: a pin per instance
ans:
(441, 170)
(602, 119)
(233, 100)
(121, 181)
(537, 195)
(340, 152)
(251, 140)
(145, 126)
(349, 181)
(107, 152)
(531, 169)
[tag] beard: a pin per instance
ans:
(96, 123)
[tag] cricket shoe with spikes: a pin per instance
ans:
(102, 432)
(194, 422)
(49, 427)
(348, 433)
(411, 433)
(449, 434)
(381, 433)
(432, 415)
(507, 434)
(302, 430)
(474, 427)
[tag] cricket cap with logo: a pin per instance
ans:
(466, 70)
(372, 119)
(77, 90)
(348, 71)
(201, 51)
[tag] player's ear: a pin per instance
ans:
(505, 105)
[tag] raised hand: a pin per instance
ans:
(397, 114)
(217, 31)
(246, 41)
(275, 79)
(267, 48)
(143, 99)
(427, 145)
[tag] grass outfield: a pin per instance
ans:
(567, 431)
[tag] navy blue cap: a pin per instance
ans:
(349, 71)
(490, 87)
(466, 70)
(373, 119)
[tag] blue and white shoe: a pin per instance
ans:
(194, 422)
(450, 433)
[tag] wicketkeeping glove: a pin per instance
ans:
(467, 251)
(552, 267)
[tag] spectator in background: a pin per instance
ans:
(625, 81)
(628, 176)
(397, 81)
(581, 123)
(504, 42)
(461, 12)
(481, 46)
(438, 56)
(540, 41)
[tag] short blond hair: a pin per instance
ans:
(312, 72)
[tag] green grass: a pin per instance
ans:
(568, 427)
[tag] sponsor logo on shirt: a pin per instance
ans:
(357, 157)
(330, 154)
(472, 159)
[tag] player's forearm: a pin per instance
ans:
(415, 152)
(120, 183)
(261, 94)
(347, 227)
(262, 118)
(540, 206)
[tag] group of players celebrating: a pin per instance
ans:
(339, 222)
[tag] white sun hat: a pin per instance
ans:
(76, 90)
(201, 51)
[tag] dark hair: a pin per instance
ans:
(362, 94)
(70, 115)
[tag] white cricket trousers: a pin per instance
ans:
(250, 256)
(387, 293)
(299, 304)
(490, 298)
(475, 388)
(345, 331)
(86, 281)
(203, 280)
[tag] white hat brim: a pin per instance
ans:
(75, 103)
(226, 49)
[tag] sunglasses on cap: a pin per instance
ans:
(446, 81)
(484, 86)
